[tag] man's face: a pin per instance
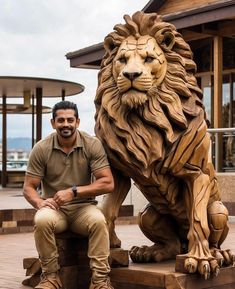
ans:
(65, 122)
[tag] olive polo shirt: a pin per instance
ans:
(59, 170)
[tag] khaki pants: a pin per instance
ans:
(84, 219)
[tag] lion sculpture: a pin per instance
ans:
(151, 120)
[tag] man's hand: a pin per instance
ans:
(63, 196)
(48, 203)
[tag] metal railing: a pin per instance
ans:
(223, 148)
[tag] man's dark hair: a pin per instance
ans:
(64, 105)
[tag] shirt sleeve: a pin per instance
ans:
(36, 164)
(98, 158)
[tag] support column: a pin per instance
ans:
(38, 113)
(218, 81)
(33, 120)
(218, 91)
(63, 94)
(4, 142)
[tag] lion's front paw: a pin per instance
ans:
(141, 254)
(154, 253)
(223, 257)
(203, 267)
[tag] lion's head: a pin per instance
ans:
(139, 65)
(147, 92)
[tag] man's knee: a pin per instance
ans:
(98, 221)
(44, 218)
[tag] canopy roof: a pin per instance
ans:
(15, 86)
(196, 20)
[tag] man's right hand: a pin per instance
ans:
(48, 203)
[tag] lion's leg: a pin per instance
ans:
(111, 204)
(218, 224)
(161, 230)
(217, 220)
(199, 257)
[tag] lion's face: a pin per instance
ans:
(139, 65)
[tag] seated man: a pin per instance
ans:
(63, 164)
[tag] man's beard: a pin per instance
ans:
(66, 132)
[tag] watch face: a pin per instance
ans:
(74, 189)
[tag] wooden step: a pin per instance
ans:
(75, 271)
(163, 276)
(144, 276)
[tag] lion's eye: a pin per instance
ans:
(122, 60)
(149, 59)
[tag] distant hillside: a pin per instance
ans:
(19, 143)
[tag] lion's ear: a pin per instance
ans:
(109, 44)
(168, 40)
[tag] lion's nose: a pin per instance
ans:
(131, 75)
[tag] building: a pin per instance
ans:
(209, 28)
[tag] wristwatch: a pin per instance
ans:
(75, 191)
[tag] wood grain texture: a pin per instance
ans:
(151, 120)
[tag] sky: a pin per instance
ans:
(36, 36)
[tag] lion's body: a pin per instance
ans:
(151, 120)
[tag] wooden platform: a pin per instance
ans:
(163, 276)
(145, 276)
(75, 271)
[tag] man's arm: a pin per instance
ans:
(31, 195)
(103, 184)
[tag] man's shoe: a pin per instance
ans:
(102, 285)
(49, 281)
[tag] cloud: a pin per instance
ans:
(36, 35)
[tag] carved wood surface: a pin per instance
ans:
(73, 260)
(151, 120)
(144, 276)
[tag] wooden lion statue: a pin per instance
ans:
(151, 120)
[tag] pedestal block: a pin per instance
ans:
(143, 276)
(163, 276)
(74, 262)
(75, 271)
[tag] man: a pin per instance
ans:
(63, 165)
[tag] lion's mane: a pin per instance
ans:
(140, 137)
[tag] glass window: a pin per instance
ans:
(205, 82)
(226, 101)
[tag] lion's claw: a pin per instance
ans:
(215, 268)
(140, 254)
(219, 257)
(216, 271)
(229, 258)
(233, 260)
(226, 256)
(204, 269)
(154, 253)
(190, 265)
(223, 257)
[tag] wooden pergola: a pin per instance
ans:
(31, 90)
